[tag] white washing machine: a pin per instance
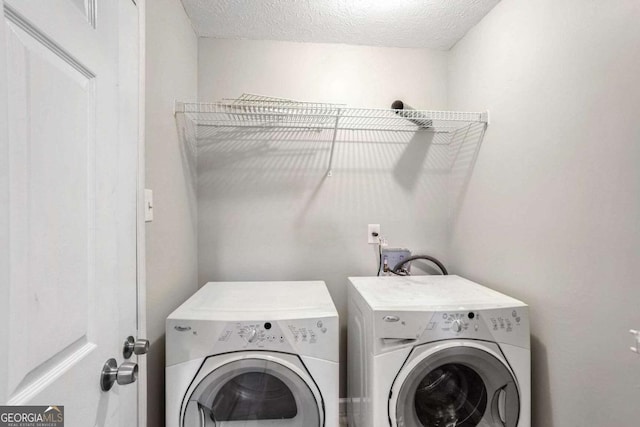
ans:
(253, 354)
(427, 351)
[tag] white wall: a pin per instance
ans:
(266, 210)
(171, 73)
(552, 211)
(361, 76)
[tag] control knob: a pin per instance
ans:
(456, 325)
(252, 335)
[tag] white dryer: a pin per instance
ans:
(427, 351)
(253, 354)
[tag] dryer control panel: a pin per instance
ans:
(267, 334)
(309, 333)
(306, 336)
(190, 339)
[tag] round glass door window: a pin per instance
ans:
(252, 392)
(458, 387)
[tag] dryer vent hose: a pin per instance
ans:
(404, 110)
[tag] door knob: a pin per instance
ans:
(138, 346)
(127, 373)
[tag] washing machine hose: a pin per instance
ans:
(398, 268)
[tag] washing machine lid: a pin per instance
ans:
(455, 385)
(426, 293)
(254, 390)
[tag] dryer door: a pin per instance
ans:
(254, 392)
(455, 386)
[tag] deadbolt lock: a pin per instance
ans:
(135, 346)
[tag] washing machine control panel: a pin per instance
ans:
(502, 325)
(455, 322)
(470, 321)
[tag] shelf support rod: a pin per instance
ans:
(333, 142)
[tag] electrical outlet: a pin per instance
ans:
(373, 228)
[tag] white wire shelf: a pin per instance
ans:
(252, 99)
(209, 121)
(254, 111)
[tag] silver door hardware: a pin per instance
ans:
(127, 373)
(138, 346)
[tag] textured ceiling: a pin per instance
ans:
(436, 24)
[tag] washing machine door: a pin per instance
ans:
(255, 391)
(455, 385)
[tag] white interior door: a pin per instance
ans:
(68, 187)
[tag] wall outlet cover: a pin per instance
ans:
(373, 228)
